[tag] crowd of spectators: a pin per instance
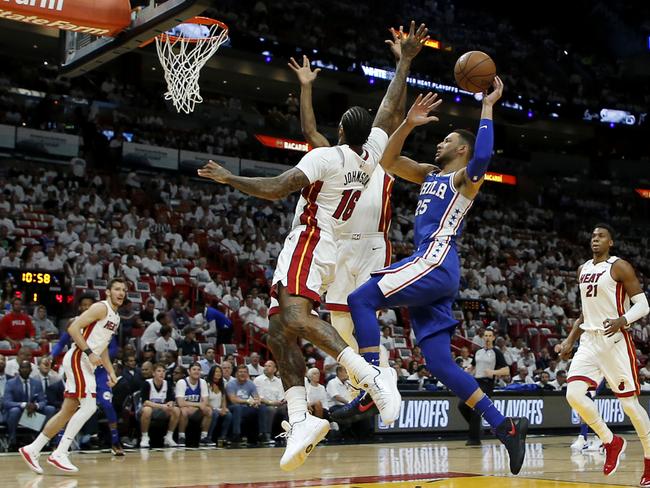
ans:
(206, 254)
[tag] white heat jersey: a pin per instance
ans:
(602, 297)
(338, 176)
(373, 210)
(99, 333)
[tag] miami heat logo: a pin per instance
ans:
(621, 386)
(110, 326)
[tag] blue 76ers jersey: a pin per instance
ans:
(440, 210)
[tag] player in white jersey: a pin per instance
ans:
(92, 332)
(612, 299)
(306, 264)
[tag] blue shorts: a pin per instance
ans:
(427, 283)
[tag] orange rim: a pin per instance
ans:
(196, 20)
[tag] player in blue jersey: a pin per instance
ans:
(104, 392)
(428, 281)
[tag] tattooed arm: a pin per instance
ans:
(268, 188)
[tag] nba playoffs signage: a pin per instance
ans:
(149, 156)
(433, 412)
(42, 142)
(95, 17)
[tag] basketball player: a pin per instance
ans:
(91, 332)
(104, 392)
(612, 299)
(332, 180)
(427, 281)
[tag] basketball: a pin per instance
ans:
(474, 71)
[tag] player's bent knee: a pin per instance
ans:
(629, 404)
(576, 391)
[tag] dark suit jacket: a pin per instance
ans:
(15, 393)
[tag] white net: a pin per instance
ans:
(182, 53)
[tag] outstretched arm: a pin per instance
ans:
(470, 179)
(268, 188)
(402, 166)
(307, 117)
(410, 47)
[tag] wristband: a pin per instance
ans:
(88, 351)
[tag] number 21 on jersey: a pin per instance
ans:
(346, 207)
(422, 206)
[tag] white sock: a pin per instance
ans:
(181, 435)
(640, 420)
(86, 410)
(296, 397)
(145, 435)
(39, 443)
(576, 395)
(357, 366)
(170, 434)
(204, 433)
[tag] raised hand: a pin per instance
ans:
(414, 41)
(214, 171)
(497, 91)
(304, 73)
(423, 105)
(396, 43)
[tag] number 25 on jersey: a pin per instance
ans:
(422, 206)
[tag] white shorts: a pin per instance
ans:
(612, 358)
(305, 265)
(79, 374)
(358, 255)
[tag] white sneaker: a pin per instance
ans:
(579, 444)
(595, 445)
(170, 442)
(62, 462)
(144, 442)
(31, 458)
(382, 386)
(302, 437)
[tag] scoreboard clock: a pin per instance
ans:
(39, 286)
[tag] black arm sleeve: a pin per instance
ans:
(500, 359)
(171, 392)
(145, 392)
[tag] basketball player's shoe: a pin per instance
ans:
(381, 384)
(31, 459)
(613, 452)
(363, 406)
(301, 437)
(645, 479)
(61, 461)
(580, 444)
(594, 445)
(513, 435)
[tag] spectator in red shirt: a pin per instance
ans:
(16, 328)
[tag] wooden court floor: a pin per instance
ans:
(549, 463)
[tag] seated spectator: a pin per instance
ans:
(188, 345)
(552, 369)
(200, 273)
(151, 265)
(179, 315)
(387, 317)
(165, 343)
(11, 260)
(24, 393)
(545, 382)
(148, 313)
(192, 398)
(208, 362)
(169, 361)
(131, 372)
(644, 382)
(146, 370)
(50, 262)
(271, 392)
(339, 390)
(45, 374)
(421, 375)
(43, 326)
(189, 248)
(316, 394)
(217, 325)
(218, 399)
(93, 269)
(402, 374)
(216, 287)
(24, 354)
(560, 381)
(386, 340)
(158, 404)
(16, 328)
(115, 267)
(159, 299)
(465, 359)
(130, 270)
(523, 376)
(244, 404)
(152, 332)
(261, 319)
(416, 355)
(247, 312)
(226, 368)
(255, 369)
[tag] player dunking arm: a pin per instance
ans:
(307, 261)
(427, 282)
(608, 285)
(364, 245)
(91, 332)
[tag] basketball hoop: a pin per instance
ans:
(182, 52)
